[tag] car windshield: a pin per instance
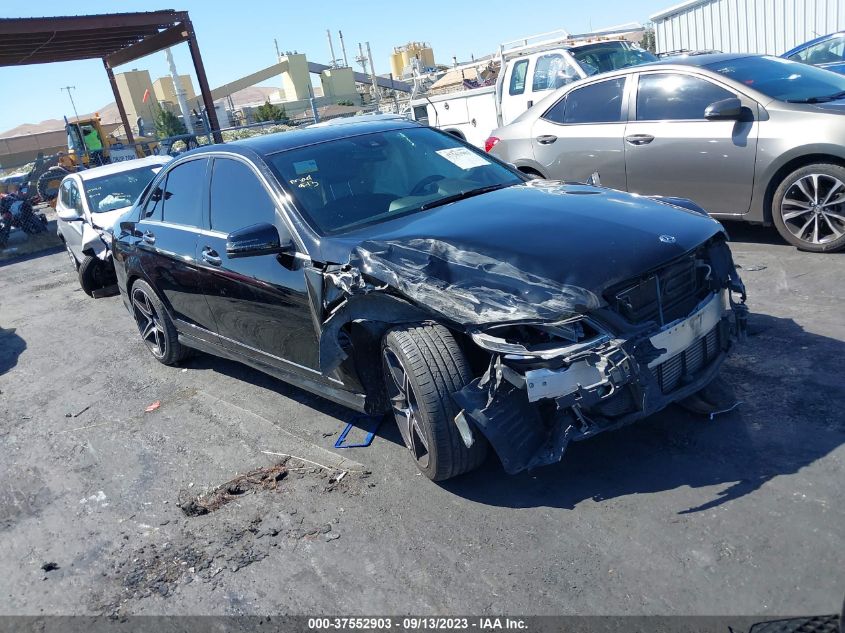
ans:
(119, 190)
(607, 56)
(783, 80)
(360, 180)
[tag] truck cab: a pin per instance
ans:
(527, 70)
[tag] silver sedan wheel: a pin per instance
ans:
(813, 209)
(149, 323)
(405, 408)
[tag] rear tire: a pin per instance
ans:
(423, 366)
(155, 326)
(48, 183)
(808, 208)
(72, 257)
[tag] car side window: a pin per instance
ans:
(556, 113)
(74, 200)
(827, 52)
(600, 102)
(669, 96)
(238, 198)
(182, 199)
(518, 76)
(152, 208)
(65, 194)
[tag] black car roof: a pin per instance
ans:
(281, 141)
(697, 60)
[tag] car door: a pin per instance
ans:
(260, 303)
(70, 203)
(167, 232)
(514, 96)
(582, 133)
(671, 149)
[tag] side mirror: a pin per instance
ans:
(724, 110)
(258, 239)
(70, 215)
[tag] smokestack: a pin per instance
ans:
(373, 73)
(331, 47)
(343, 48)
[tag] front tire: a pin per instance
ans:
(155, 326)
(93, 273)
(808, 208)
(423, 366)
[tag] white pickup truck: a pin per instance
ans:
(527, 70)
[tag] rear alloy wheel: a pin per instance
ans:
(156, 329)
(423, 366)
(808, 208)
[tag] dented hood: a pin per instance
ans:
(543, 250)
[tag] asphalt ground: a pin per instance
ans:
(741, 515)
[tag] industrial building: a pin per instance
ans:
(403, 58)
(769, 27)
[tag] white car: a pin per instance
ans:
(89, 203)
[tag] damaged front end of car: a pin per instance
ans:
(563, 362)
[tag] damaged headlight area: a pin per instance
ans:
(551, 383)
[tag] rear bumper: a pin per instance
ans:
(530, 417)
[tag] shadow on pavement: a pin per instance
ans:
(791, 416)
(743, 232)
(11, 347)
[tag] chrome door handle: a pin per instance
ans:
(149, 238)
(210, 256)
(639, 139)
(546, 139)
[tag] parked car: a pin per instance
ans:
(391, 266)
(527, 70)
(827, 51)
(753, 138)
(89, 201)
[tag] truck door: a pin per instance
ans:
(531, 78)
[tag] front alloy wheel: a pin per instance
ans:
(405, 409)
(423, 366)
(810, 208)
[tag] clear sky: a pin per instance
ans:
(236, 38)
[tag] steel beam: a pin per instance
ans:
(119, 102)
(202, 80)
(170, 37)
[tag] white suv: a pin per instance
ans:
(89, 203)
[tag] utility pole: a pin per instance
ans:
(68, 89)
(361, 59)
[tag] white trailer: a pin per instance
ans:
(527, 70)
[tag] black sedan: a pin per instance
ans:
(392, 267)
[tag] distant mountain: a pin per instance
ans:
(109, 114)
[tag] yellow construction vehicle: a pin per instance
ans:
(88, 146)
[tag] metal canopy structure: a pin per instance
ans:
(116, 38)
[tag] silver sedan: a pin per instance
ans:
(747, 137)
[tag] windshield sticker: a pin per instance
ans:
(463, 158)
(305, 167)
(305, 182)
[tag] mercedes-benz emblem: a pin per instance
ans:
(667, 239)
